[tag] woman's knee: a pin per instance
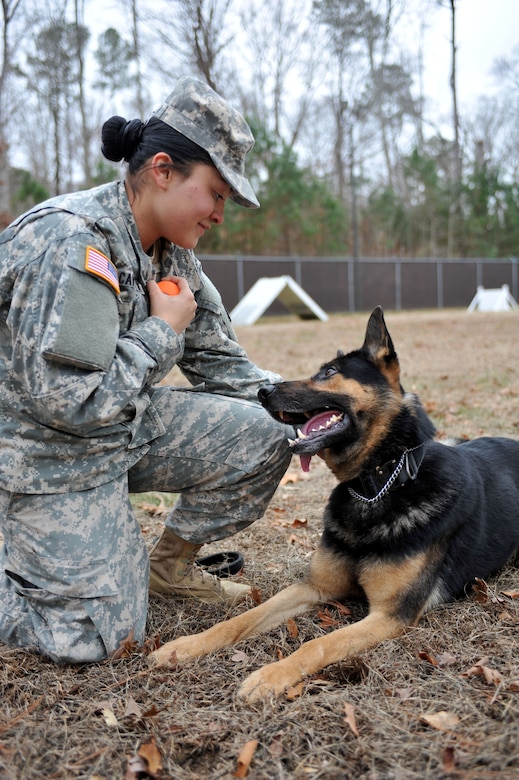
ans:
(69, 629)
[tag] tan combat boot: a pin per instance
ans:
(174, 572)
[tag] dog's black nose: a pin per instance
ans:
(264, 392)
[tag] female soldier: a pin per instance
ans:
(86, 335)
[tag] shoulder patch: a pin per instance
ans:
(100, 265)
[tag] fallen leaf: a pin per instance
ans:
(449, 759)
(513, 685)
(292, 628)
(151, 644)
(256, 596)
(110, 719)
(403, 693)
(153, 710)
(442, 720)
(150, 753)
(240, 657)
(343, 609)
(512, 594)
(295, 691)
(480, 588)
(245, 758)
(326, 620)
(276, 748)
(126, 647)
(425, 656)
(446, 659)
(107, 711)
(349, 718)
(492, 676)
(132, 709)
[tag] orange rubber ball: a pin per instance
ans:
(169, 287)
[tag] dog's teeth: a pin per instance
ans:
(301, 435)
(292, 442)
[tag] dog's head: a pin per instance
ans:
(353, 407)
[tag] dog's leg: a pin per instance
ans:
(317, 653)
(291, 601)
(386, 587)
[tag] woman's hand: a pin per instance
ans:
(176, 310)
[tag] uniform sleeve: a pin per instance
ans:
(79, 372)
(212, 355)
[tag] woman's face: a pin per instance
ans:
(184, 208)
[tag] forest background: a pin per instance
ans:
(351, 158)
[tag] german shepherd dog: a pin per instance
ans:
(410, 524)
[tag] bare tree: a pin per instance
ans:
(81, 37)
(9, 11)
(132, 8)
(54, 78)
(202, 38)
(457, 163)
(507, 70)
(283, 59)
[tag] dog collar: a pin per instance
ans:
(391, 474)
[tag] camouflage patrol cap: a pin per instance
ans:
(197, 112)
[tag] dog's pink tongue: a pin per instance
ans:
(316, 423)
(305, 462)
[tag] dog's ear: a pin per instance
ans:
(378, 342)
(379, 345)
(340, 353)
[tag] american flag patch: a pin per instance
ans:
(100, 265)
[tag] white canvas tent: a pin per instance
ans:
(268, 289)
(498, 299)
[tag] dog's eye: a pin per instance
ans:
(330, 371)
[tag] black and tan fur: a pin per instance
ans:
(410, 524)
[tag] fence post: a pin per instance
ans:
(398, 285)
(351, 286)
(240, 278)
(439, 283)
(299, 271)
(515, 278)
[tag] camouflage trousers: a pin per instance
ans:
(74, 567)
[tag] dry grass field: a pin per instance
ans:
(440, 702)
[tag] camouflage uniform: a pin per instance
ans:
(84, 421)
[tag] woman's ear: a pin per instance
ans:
(161, 169)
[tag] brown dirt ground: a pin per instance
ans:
(104, 720)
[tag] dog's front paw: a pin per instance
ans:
(273, 678)
(179, 650)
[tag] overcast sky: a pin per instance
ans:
(486, 29)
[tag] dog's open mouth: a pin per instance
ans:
(317, 433)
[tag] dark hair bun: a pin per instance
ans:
(120, 138)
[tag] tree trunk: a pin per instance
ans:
(454, 238)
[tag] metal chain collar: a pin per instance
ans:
(390, 482)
